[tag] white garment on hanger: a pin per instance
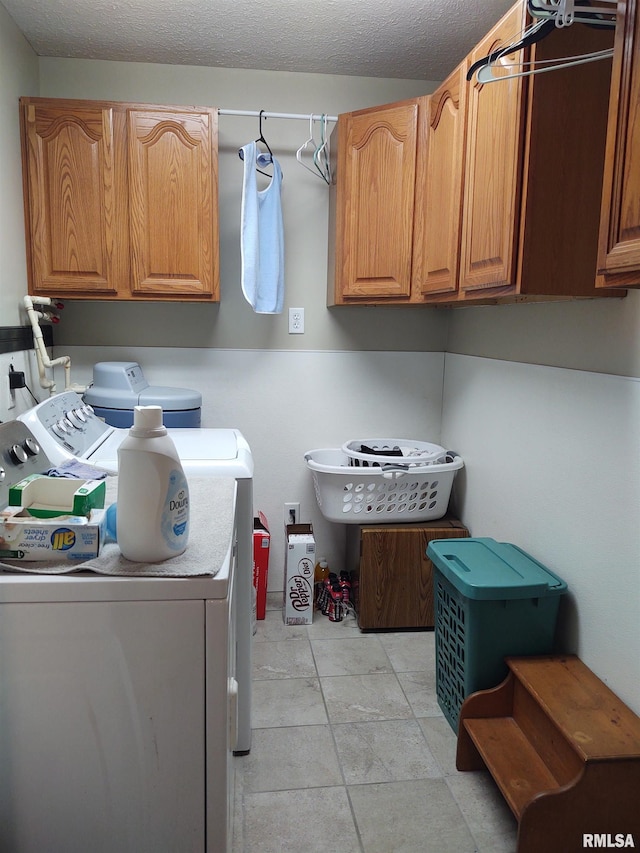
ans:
(262, 235)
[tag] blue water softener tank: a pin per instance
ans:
(118, 386)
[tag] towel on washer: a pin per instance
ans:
(262, 235)
(75, 469)
(208, 543)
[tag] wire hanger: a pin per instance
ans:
(263, 159)
(321, 155)
(486, 75)
(544, 24)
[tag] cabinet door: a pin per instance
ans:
(438, 205)
(75, 208)
(173, 202)
(619, 244)
(493, 168)
(396, 585)
(376, 186)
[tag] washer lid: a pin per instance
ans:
(211, 444)
(193, 445)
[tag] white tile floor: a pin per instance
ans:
(351, 752)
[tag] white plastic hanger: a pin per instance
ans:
(310, 142)
(320, 161)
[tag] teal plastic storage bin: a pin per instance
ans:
(492, 600)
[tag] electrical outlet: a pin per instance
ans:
(296, 321)
(292, 513)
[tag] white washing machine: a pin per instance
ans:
(108, 662)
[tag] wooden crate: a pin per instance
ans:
(394, 586)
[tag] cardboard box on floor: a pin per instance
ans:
(261, 546)
(298, 574)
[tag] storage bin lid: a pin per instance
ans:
(481, 568)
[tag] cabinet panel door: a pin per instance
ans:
(378, 172)
(173, 202)
(439, 190)
(396, 579)
(619, 245)
(74, 204)
(493, 168)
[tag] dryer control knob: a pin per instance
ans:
(17, 454)
(31, 447)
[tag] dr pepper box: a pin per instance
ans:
(298, 574)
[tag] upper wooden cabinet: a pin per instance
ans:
(438, 197)
(493, 169)
(120, 200)
(508, 182)
(75, 206)
(533, 169)
(372, 204)
(619, 246)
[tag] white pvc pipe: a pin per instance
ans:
(42, 355)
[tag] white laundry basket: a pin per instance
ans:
(393, 492)
(380, 451)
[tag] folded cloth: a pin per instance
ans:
(74, 469)
(211, 507)
(262, 236)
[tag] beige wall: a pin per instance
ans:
(600, 335)
(18, 76)
(552, 464)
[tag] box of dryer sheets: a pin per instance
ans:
(53, 519)
(298, 574)
(261, 546)
(65, 538)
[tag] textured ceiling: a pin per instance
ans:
(412, 39)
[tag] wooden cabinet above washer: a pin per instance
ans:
(120, 200)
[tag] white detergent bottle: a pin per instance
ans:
(153, 495)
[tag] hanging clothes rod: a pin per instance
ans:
(256, 114)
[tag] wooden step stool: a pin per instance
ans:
(564, 751)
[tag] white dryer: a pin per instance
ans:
(67, 428)
(115, 623)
